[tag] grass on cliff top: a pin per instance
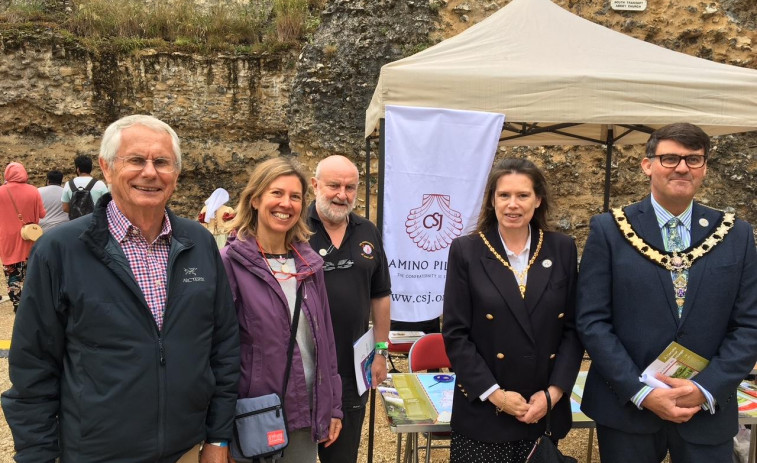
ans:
(241, 26)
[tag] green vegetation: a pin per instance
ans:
(418, 47)
(26, 11)
(124, 25)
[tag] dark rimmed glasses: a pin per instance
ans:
(693, 161)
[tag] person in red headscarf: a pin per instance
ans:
(17, 198)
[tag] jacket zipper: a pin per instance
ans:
(262, 410)
(162, 351)
(162, 382)
(318, 378)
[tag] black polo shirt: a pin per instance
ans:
(356, 272)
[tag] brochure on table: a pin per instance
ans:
(746, 396)
(363, 358)
(419, 398)
(405, 337)
(576, 396)
(439, 389)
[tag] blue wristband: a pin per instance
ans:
(220, 443)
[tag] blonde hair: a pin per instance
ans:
(246, 221)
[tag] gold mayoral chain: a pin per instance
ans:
(520, 277)
(673, 261)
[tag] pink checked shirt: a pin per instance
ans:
(148, 261)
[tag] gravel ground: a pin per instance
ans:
(384, 440)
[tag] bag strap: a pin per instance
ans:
(548, 429)
(20, 217)
(292, 339)
(72, 186)
(91, 184)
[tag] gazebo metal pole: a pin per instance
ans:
(379, 217)
(368, 178)
(372, 412)
(382, 161)
(608, 168)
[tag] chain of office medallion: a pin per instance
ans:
(519, 276)
(673, 261)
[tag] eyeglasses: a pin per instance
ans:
(343, 264)
(299, 276)
(137, 163)
(693, 161)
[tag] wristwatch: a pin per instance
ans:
(382, 352)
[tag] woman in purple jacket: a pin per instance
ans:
(266, 262)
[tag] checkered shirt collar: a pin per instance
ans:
(120, 226)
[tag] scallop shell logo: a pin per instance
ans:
(434, 224)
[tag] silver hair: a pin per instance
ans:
(111, 141)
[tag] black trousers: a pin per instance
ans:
(345, 448)
(621, 447)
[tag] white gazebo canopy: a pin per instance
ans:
(560, 79)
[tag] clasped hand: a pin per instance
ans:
(515, 404)
(677, 404)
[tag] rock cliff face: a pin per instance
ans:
(231, 111)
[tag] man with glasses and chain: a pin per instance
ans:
(661, 270)
(126, 344)
(358, 286)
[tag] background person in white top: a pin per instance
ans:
(51, 194)
(83, 164)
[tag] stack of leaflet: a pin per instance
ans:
(419, 398)
(405, 337)
(746, 396)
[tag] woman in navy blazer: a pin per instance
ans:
(509, 324)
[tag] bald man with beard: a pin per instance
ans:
(358, 287)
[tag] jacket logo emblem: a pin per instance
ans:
(191, 275)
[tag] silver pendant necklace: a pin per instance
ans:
(282, 260)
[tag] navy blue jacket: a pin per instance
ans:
(494, 336)
(626, 316)
(93, 377)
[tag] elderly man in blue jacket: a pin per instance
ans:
(125, 347)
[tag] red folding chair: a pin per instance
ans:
(429, 353)
(397, 350)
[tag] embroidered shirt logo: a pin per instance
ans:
(366, 248)
(190, 275)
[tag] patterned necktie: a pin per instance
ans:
(680, 277)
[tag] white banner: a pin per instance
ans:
(437, 162)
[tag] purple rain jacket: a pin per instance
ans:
(264, 327)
